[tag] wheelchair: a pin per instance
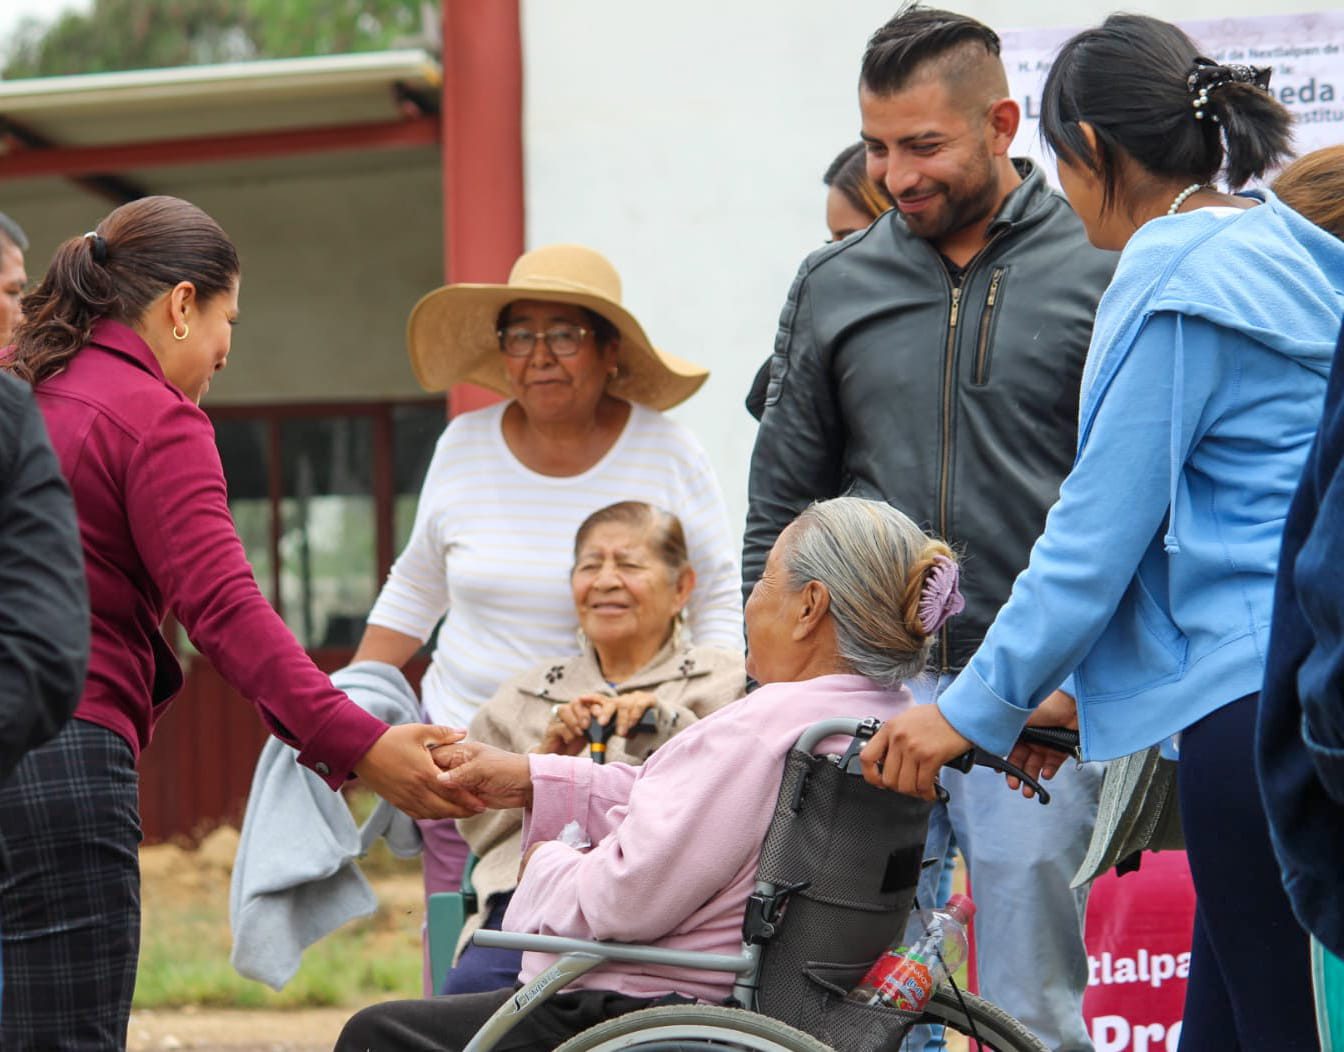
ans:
(834, 888)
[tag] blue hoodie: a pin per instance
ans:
(1150, 589)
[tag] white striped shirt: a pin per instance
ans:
(493, 544)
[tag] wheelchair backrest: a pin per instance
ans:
(854, 853)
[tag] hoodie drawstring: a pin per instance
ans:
(1170, 544)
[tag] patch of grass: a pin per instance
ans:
(184, 960)
(185, 941)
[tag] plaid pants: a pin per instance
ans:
(70, 893)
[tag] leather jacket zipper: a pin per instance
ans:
(949, 385)
(986, 324)
(949, 359)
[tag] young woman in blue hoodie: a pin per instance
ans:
(1146, 604)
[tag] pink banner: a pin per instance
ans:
(1138, 949)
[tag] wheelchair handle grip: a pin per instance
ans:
(1061, 739)
(980, 758)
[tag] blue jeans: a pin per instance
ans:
(1030, 958)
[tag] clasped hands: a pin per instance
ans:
(567, 733)
(430, 772)
(907, 751)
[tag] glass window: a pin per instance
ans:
(415, 429)
(328, 540)
(316, 550)
(243, 449)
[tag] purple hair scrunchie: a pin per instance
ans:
(940, 598)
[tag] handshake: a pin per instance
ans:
(430, 772)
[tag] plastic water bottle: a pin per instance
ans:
(935, 946)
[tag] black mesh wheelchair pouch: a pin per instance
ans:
(854, 853)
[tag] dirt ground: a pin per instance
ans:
(307, 1030)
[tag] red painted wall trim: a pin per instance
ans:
(482, 113)
(85, 160)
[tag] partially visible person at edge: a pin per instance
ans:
(44, 603)
(631, 581)
(1314, 186)
(853, 201)
(1151, 587)
(1299, 753)
(841, 621)
(509, 484)
(933, 361)
(120, 340)
(13, 278)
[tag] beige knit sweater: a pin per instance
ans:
(689, 683)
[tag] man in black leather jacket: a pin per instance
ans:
(933, 361)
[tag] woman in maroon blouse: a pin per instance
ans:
(120, 341)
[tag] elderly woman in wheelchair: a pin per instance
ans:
(671, 855)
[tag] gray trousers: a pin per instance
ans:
(1030, 957)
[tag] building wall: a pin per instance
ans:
(335, 251)
(332, 264)
(689, 147)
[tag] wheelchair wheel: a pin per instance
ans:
(996, 1029)
(693, 1028)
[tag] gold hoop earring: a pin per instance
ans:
(186, 331)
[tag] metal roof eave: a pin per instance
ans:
(224, 82)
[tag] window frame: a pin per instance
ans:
(384, 468)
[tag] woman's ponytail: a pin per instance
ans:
(59, 314)
(1257, 130)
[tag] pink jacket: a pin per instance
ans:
(154, 519)
(676, 841)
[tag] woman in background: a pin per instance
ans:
(508, 486)
(1314, 186)
(631, 582)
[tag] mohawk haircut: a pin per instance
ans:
(915, 36)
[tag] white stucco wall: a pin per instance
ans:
(687, 142)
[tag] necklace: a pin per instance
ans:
(1184, 196)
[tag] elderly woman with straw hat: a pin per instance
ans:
(509, 485)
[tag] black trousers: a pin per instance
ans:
(1250, 972)
(70, 893)
(446, 1024)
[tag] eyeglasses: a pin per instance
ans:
(563, 341)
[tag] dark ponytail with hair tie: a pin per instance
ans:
(1138, 82)
(140, 251)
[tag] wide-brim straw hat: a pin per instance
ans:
(452, 337)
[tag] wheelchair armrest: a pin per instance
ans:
(616, 951)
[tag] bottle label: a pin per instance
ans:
(902, 982)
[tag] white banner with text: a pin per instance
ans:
(1305, 51)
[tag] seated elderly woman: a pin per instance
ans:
(632, 580)
(852, 597)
